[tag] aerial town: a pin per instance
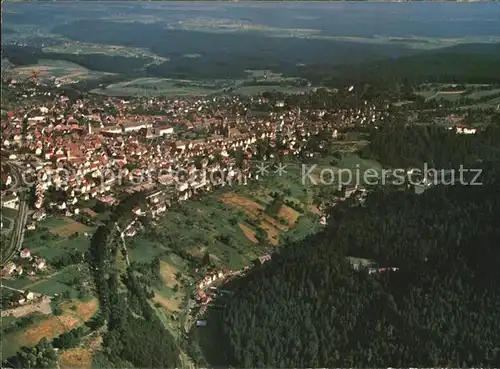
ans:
(105, 148)
(59, 154)
(249, 184)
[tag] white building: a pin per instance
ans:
(465, 130)
(11, 202)
(164, 130)
(25, 254)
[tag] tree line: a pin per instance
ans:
(135, 335)
(403, 146)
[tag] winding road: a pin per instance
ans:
(17, 234)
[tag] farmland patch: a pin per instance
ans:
(170, 304)
(69, 227)
(289, 214)
(82, 310)
(251, 208)
(75, 358)
(49, 328)
(249, 233)
(58, 70)
(167, 272)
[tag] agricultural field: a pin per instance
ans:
(253, 90)
(470, 91)
(80, 48)
(196, 227)
(74, 313)
(447, 95)
(65, 227)
(231, 226)
(81, 357)
(75, 358)
(59, 71)
(169, 297)
(273, 82)
(191, 56)
(152, 86)
(248, 232)
(262, 75)
(256, 215)
(158, 87)
(207, 24)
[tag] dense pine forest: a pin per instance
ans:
(402, 146)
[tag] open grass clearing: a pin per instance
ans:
(17, 283)
(350, 170)
(55, 283)
(69, 227)
(59, 282)
(8, 212)
(305, 225)
(170, 304)
(447, 95)
(489, 104)
(50, 248)
(141, 249)
(52, 287)
(168, 272)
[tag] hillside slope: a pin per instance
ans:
(308, 308)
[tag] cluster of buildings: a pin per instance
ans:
(18, 298)
(101, 149)
(25, 262)
(464, 130)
